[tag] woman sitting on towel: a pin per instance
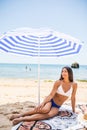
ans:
(63, 88)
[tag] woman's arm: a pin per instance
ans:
(53, 92)
(73, 97)
(51, 95)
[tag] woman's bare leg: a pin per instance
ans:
(13, 116)
(45, 109)
(34, 117)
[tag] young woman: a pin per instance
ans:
(63, 88)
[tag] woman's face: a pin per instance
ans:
(64, 73)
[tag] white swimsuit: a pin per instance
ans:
(61, 91)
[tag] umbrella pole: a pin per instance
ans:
(39, 72)
(38, 80)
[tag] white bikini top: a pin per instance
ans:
(61, 91)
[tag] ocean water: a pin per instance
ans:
(47, 71)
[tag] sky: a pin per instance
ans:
(66, 16)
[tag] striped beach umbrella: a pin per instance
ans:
(39, 43)
(46, 43)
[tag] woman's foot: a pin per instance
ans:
(14, 116)
(17, 120)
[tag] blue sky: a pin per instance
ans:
(66, 16)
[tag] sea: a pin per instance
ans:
(42, 71)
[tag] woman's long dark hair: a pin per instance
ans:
(70, 73)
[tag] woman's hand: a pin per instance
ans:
(39, 108)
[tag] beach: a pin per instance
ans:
(20, 94)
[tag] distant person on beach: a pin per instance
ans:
(26, 68)
(62, 89)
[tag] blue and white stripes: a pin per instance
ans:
(46, 44)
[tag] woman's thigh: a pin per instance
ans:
(53, 112)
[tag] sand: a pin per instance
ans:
(17, 95)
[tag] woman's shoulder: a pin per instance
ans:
(74, 84)
(58, 82)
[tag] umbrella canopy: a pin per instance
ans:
(46, 43)
(39, 42)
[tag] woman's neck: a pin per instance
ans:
(66, 81)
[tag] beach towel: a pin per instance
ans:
(34, 125)
(60, 122)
